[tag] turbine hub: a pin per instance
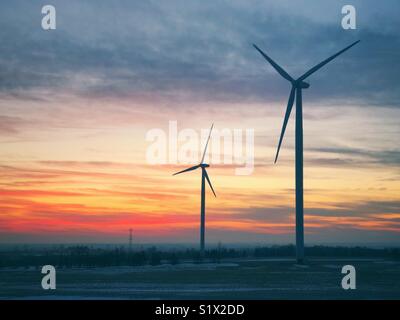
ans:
(302, 85)
(204, 165)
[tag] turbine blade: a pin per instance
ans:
(280, 70)
(209, 182)
(205, 149)
(321, 64)
(186, 170)
(285, 121)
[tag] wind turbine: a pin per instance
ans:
(297, 86)
(204, 176)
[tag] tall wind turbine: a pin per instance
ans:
(297, 86)
(204, 176)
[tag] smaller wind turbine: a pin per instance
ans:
(204, 176)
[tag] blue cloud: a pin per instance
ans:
(200, 48)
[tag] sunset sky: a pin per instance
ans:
(76, 104)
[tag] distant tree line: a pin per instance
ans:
(86, 256)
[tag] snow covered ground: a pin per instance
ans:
(239, 279)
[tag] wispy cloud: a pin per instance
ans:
(358, 156)
(198, 52)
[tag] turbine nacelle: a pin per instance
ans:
(204, 165)
(301, 84)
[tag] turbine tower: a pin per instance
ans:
(204, 176)
(297, 86)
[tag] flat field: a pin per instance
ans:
(230, 279)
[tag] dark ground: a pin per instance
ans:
(320, 278)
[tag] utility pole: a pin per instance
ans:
(130, 240)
